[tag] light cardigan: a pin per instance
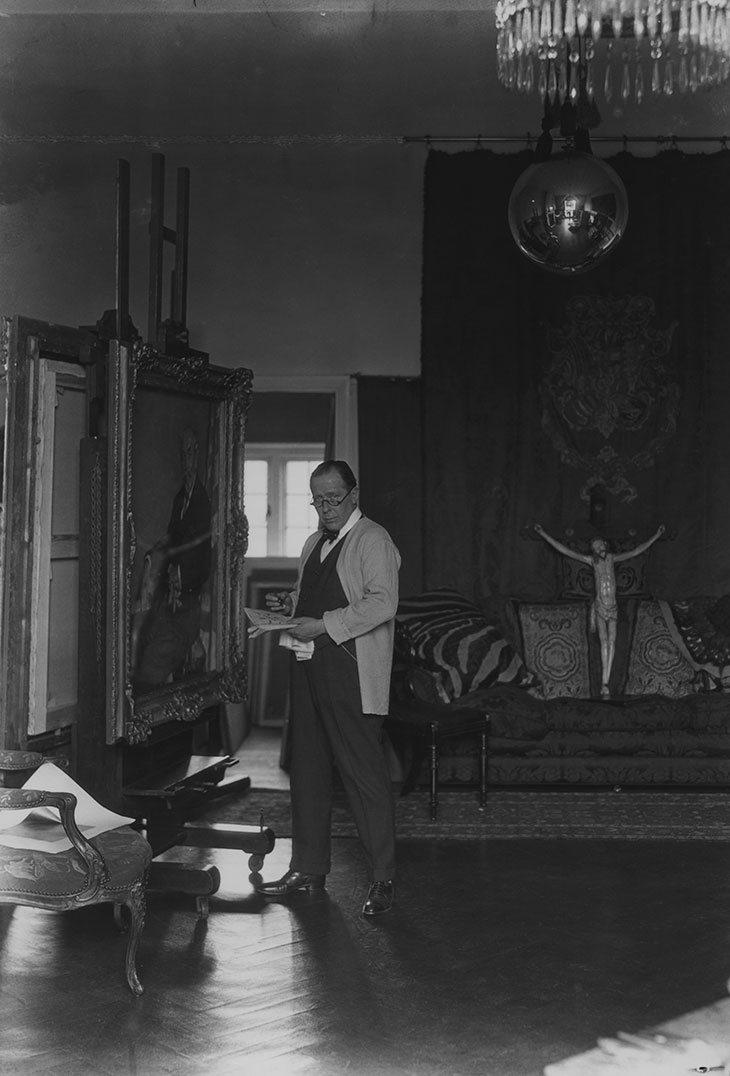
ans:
(368, 571)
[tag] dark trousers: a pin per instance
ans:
(327, 724)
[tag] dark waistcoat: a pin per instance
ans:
(320, 588)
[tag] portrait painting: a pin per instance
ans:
(174, 463)
(178, 538)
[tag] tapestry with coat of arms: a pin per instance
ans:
(609, 404)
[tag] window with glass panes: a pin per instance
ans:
(277, 496)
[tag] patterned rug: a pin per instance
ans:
(513, 815)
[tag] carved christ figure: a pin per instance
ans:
(604, 608)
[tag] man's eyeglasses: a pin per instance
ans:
(331, 502)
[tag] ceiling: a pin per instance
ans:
(267, 70)
(369, 8)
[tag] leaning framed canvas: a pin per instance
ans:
(42, 419)
(177, 538)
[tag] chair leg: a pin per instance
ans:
(137, 904)
(483, 766)
(434, 768)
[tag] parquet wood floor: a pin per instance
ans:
(499, 958)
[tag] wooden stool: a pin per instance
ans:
(425, 726)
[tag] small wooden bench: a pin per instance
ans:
(424, 726)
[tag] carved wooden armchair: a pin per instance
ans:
(111, 867)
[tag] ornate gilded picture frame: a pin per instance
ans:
(177, 538)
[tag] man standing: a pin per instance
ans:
(343, 626)
(604, 608)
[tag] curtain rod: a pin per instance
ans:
(529, 138)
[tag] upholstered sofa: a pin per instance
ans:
(534, 668)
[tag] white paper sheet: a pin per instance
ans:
(40, 828)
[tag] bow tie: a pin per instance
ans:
(330, 536)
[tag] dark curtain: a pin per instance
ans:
(389, 433)
(506, 440)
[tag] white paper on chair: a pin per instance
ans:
(40, 829)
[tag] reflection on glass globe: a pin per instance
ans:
(568, 212)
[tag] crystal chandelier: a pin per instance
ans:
(656, 46)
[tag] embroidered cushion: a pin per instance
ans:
(445, 633)
(555, 646)
(657, 666)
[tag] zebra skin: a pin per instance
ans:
(444, 633)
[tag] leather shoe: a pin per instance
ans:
(290, 883)
(379, 899)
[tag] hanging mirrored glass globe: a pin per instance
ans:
(569, 212)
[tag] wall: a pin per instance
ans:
(305, 208)
(301, 261)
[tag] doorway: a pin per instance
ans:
(288, 418)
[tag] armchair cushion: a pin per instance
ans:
(16, 765)
(13, 761)
(443, 632)
(126, 855)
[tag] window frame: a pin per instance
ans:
(277, 454)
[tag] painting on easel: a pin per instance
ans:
(178, 538)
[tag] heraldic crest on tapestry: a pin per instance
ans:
(608, 404)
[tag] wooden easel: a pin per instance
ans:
(191, 779)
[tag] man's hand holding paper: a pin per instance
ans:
(263, 620)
